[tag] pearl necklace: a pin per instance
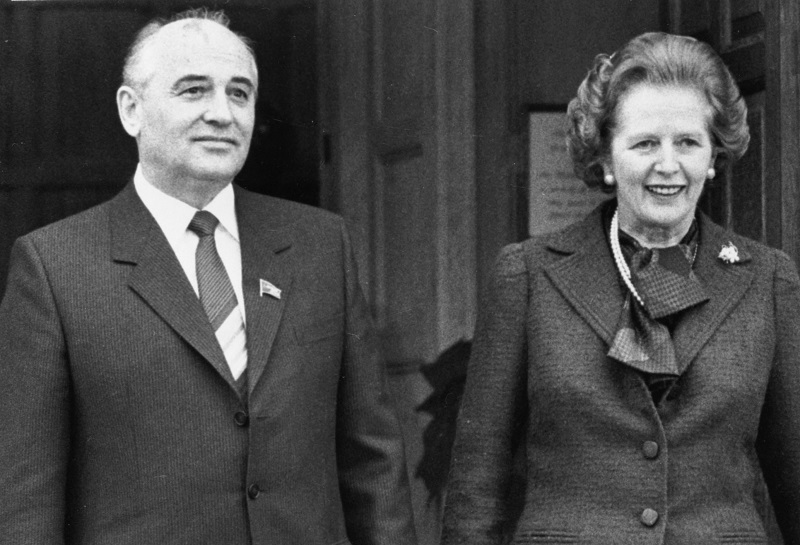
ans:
(622, 266)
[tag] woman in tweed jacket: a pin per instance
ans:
(644, 363)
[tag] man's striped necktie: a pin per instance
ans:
(217, 295)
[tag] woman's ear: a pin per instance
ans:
(712, 172)
(608, 174)
(130, 110)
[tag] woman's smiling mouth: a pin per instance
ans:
(665, 190)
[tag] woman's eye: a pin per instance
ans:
(240, 94)
(645, 145)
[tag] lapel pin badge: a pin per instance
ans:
(268, 288)
(729, 253)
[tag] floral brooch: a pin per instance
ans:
(729, 253)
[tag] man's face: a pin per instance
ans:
(196, 106)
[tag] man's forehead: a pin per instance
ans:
(195, 30)
(187, 44)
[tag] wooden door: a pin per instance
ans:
(758, 40)
(398, 122)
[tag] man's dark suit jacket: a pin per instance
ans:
(119, 419)
(603, 463)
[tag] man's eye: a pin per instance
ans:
(192, 91)
(240, 94)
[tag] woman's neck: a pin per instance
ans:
(655, 236)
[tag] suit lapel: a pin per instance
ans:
(266, 255)
(725, 284)
(586, 275)
(159, 279)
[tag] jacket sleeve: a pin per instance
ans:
(373, 478)
(779, 433)
(34, 405)
(493, 412)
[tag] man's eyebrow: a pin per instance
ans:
(197, 78)
(189, 78)
(243, 81)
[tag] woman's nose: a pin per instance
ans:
(667, 161)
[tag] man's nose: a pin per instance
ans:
(218, 110)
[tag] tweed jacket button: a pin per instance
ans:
(253, 491)
(241, 418)
(649, 517)
(650, 449)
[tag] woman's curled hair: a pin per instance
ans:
(657, 59)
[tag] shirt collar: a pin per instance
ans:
(174, 215)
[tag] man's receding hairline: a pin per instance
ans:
(134, 73)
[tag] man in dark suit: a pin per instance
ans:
(189, 362)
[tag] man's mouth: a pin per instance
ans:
(216, 140)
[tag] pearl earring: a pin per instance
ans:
(711, 173)
(609, 179)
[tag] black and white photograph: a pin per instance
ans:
(399, 272)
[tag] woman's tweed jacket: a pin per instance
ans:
(603, 464)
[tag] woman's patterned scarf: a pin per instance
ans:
(667, 285)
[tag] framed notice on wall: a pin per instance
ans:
(556, 196)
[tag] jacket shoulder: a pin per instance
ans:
(278, 212)
(762, 256)
(538, 251)
(88, 224)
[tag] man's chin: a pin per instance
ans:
(216, 174)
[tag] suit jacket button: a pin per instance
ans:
(650, 449)
(649, 517)
(253, 491)
(241, 418)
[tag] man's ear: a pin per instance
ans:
(130, 110)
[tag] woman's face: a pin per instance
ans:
(660, 154)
